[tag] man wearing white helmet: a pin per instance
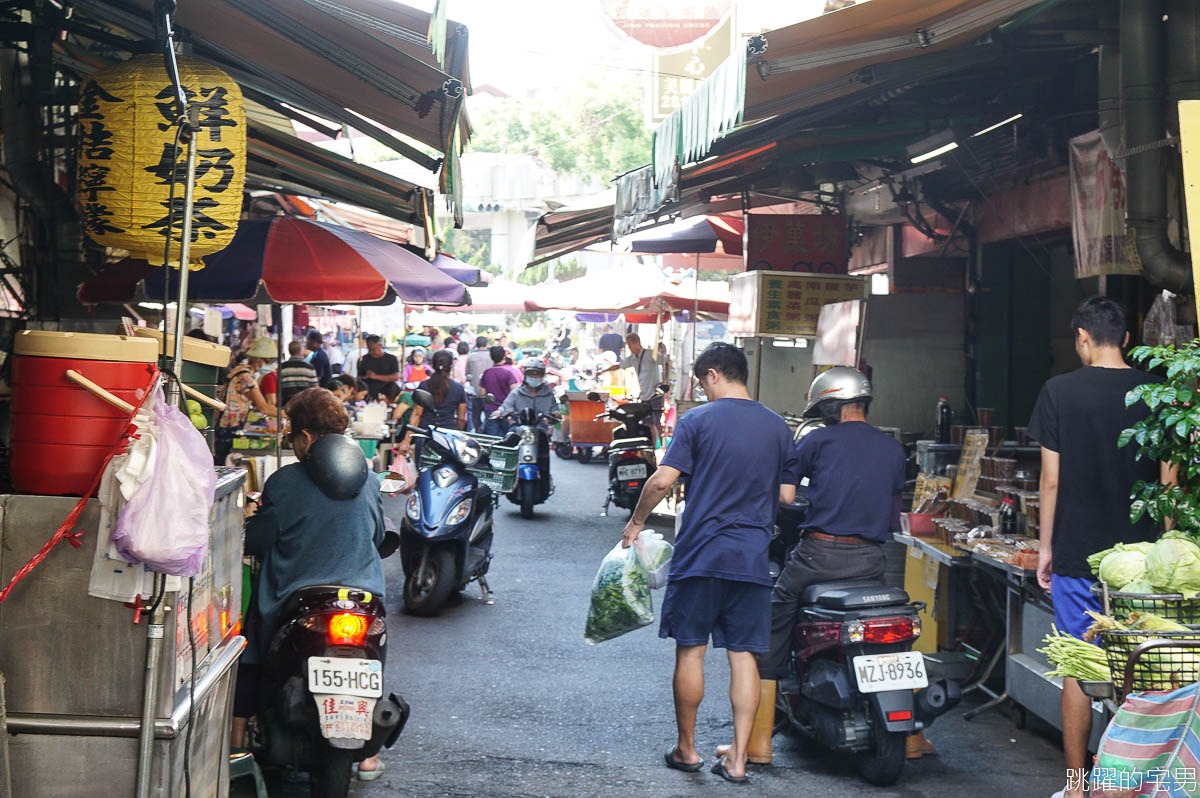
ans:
(855, 478)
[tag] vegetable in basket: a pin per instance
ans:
(1094, 561)
(1074, 658)
(1173, 566)
(1123, 566)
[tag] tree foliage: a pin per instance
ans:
(595, 132)
(1170, 434)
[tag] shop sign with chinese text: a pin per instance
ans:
(786, 304)
(795, 243)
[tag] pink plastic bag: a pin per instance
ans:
(403, 465)
(165, 525)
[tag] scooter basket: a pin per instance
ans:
(498, 471)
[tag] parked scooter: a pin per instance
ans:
(446, 534)
(631, 457)
(531, 436)
(854, 668)
(323, 707)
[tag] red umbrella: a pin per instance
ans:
(293, 261)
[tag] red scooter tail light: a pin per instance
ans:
(891, 630)
(348, 629)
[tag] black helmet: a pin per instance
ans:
(337, 465)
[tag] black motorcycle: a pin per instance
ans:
(854, 670)
(322, 685)
(531, 437)
(631, 457)
(446, 533)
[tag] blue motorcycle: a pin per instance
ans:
(531, 436)
(446, 534)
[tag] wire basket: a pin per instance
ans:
(1163, 667)
(1171, 606)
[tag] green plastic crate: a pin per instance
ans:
(500, 471)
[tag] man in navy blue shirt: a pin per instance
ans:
(738, 462)
(855, 478)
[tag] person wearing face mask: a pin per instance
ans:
(533, 392)
(241, 394)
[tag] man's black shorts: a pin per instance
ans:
(736, 615)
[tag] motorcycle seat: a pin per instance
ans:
(317, 594)
(852, 594)
(629, 443)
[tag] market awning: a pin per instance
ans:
(818, 60)
(697, 235)
(278, 162)
(631, 290)
(568, 229)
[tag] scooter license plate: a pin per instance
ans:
(345, 716)
(345, 676)
(877, 673)
(625, 472)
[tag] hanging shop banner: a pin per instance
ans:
(837, 334)
(786, 304)
(1189, 144)
(676, 74)
(795, 243)
(128, 159)
(665, 23)
(1097, 209)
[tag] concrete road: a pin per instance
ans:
(508, 701)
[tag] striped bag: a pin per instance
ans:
(1151, 747)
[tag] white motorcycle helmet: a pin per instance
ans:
(833, 388)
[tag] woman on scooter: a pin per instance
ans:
(291, 534)
(450, 398)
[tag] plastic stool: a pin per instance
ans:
(242, 764)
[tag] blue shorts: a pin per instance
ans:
(1072, 597)
(737, 615)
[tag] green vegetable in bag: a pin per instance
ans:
(620, 597)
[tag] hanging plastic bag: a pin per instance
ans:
(403, 465)
(620, 596)
(654, 553)
(165, 525)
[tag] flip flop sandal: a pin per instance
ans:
(686, 767)
(720, 770)
(371, 775)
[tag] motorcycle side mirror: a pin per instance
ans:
(392, 484)
(664, 388)
(491, 397)
(593, 396)
(424, 399)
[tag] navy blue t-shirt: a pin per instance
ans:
(735, 454)
(853, 471)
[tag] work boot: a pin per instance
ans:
(917, 746)
(758, 752)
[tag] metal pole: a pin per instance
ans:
(154, 628)
(695, 312)
(403, 339)
(277, 311)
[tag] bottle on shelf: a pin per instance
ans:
(1008, 518)
(945, 417)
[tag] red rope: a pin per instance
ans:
(73, 537)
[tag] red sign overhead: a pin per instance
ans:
(664, 23)
(795, 243)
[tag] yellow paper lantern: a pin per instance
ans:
(126, 147)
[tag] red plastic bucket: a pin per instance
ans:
(62, 432)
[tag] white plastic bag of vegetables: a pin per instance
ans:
(654, 552)
(620, 596)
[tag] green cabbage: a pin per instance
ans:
(1173, 566)
(1139, 586)
(1123, 566)
(1094, 560)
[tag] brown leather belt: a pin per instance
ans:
(851, 539)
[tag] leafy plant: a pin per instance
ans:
(1169, 434)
